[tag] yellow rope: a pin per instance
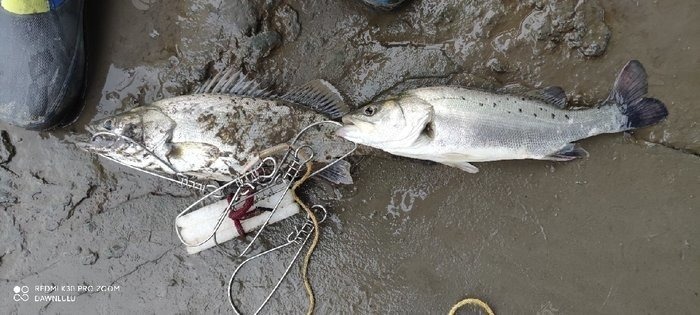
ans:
(307, 258)
(471, 301)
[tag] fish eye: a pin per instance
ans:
(107, 124)
(370, 110)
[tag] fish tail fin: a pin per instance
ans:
(644, 112)
(628, 94)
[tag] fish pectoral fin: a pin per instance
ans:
(338, 173)
(569, 152)
(553, 95)
(233, 82)
(320, 96)
(192, 155)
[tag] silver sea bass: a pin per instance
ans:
(216, 132)
(456, 126)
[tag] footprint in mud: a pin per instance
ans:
(143, 5)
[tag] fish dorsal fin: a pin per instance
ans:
(553, 95)
(320, 96)
(233, 82)
(630, 85)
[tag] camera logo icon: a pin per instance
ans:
(21, 293)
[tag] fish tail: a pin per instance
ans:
(629, 95)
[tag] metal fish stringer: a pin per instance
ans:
(263, 182)
(299, 237)
(179, 178)
(294, 168)
(269, 176)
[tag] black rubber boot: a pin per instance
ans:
(42, 65)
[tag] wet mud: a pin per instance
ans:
(613, 233)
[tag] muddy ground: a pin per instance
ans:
(615, 233)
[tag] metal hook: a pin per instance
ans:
(300, 235)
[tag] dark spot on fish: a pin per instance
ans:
(208, 121)
(175, 152)
(520, 110)
(481, 104)
(227, 133)
(567, 116)
(553, 116)
(535, 115)
(523, 98)
(507, 99)
(462, 97)
(494, 104)
(508, 112)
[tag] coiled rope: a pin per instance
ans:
(471, 301)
